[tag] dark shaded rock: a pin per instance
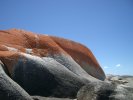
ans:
(49, 98)
(46, 77)
(10, 90)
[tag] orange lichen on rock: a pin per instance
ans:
(81, 54)
(9, 59)
(14, 41)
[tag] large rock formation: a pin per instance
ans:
(42, 67)
(64, 51)
(34, 64)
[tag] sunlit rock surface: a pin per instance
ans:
(41, 67)
(66, 52)
(115, 87)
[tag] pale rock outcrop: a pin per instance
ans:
(115, 87)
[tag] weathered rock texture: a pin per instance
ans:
(49, 98)
(113, 88)
(42, 67)
(17, 41)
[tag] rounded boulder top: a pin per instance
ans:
(16, 41)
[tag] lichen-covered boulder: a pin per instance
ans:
(35, 64)
(62, 50)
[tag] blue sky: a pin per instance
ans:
(105, 26)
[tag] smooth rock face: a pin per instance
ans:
(42, 65)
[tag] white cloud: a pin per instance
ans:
(118, 65)
(105, 67)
